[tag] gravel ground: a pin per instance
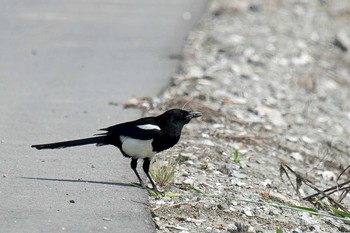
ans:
(272, 79)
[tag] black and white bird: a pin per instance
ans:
(139, 139)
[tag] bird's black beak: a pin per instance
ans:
(193, 115)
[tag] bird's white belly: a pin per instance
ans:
(137, 148)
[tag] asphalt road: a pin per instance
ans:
(61, 63)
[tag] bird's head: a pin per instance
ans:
(180, 117)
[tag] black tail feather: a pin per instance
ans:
(79, 142)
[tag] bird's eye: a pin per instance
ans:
(180, 116)
(183, 115)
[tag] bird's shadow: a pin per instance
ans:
(123, 184)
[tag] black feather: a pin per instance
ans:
(79, 142)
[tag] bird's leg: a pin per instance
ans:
(133, 165)
(146, 164)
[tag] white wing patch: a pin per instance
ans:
(137, 148)
(149, 127)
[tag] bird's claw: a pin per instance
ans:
(155, 192)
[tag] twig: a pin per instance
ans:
(173, 205)
(342, 173)
(307, 182)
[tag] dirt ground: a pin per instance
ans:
(272, 79)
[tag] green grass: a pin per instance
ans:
(237, 156)
(279, 230)
(309, 210)
(163, 173)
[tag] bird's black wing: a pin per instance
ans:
(134, 129)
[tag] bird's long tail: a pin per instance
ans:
(101, 140)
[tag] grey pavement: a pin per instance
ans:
(61, 63)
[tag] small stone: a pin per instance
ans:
(196, 72)
(232, 227)
(274, 116)
(233, 202)
(307, 140)
(218, 126)
(239, 183)
(342, 41)
(207, 142)
(130, 103)
(299, 120)
(183, 157)
(297, 156)
(292, 138)
(163, 201)
(71, 201)
(239, 101)
(266, 183)
(239, 175)
(249, 213)
(251, 229)
(304, 58)
(188, 181)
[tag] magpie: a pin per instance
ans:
(138, 139)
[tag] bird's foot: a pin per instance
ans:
(155, 192)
